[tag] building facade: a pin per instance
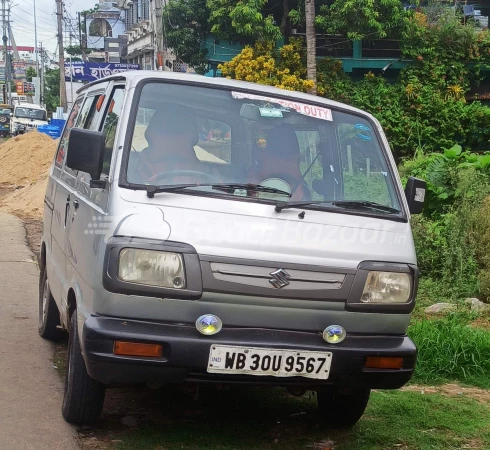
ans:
(144, 28)
(107, 22)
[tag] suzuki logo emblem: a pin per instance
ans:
(279, 278)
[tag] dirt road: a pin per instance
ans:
(30, 388)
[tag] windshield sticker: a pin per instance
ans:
(364, 137)
(365, 130)
(270, 113)
(362, 127)
(308, 110)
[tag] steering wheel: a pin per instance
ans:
(211, 179)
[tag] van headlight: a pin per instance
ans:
(387, 287)
(151, 268)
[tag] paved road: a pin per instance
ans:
(30, 388)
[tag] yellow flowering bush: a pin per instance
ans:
(264, 64)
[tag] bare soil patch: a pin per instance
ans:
(452, 390)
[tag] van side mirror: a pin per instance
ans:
(86, 151)
(415, 193)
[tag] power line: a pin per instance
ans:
(26, 22)
(41, 20)
(40, 10)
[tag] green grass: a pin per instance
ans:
(269, 419)
(450, 349)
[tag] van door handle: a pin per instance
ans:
(67, 208)
(76, 204)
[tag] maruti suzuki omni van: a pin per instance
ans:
(202, 230)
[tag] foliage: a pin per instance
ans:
(30, 73)
(185, 28)
(449, 350)
(52, 89)
(446, 54)
(358, 18)
(76, 50)
(264, 64)
(242, 20)
(452, 238)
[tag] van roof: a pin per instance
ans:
(133, 77)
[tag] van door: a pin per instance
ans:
(62, 190)
(89, 218)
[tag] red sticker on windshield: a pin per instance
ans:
(308, 110)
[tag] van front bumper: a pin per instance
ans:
(186, 353)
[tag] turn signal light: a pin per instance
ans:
(380, 362)
(137, 349)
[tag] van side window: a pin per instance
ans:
(110, 121)
(88, 112)
(70, 123)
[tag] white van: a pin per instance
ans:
(26, 117)
(202, 230)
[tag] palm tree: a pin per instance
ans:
(310, 43)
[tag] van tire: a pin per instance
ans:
(84, 397)
(342, 408)
(49, 315)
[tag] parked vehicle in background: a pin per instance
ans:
(5, 113)
(26, 117)
(204, 230)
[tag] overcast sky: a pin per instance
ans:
(22, 16)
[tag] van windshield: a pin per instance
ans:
(30, 113)
(297, 150)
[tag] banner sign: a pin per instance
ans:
(19, 69)
(19, 87)
(2, 74)
(91, 71)
(29, 89)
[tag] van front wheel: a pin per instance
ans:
(342, 408)
(49, 315)
(84, 396)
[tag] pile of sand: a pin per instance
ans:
(24, 166)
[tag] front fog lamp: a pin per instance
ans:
(334, 334)
(208, 324)
(387, 287)
(151, 268)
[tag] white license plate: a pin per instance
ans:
(266, 361)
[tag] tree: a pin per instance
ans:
(52, 89)
(30, 73)
(76, 50)
(310, 43)
(242, 21)
(185, 26)
(362, 18)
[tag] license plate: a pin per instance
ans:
(266, 361)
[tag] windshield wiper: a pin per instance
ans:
(152, 190)
(354, 204)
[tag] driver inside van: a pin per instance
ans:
(171, 135)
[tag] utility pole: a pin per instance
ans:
(41, 76)
(82, 46)
(36, 50)
(59, 16)
(6, 57)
